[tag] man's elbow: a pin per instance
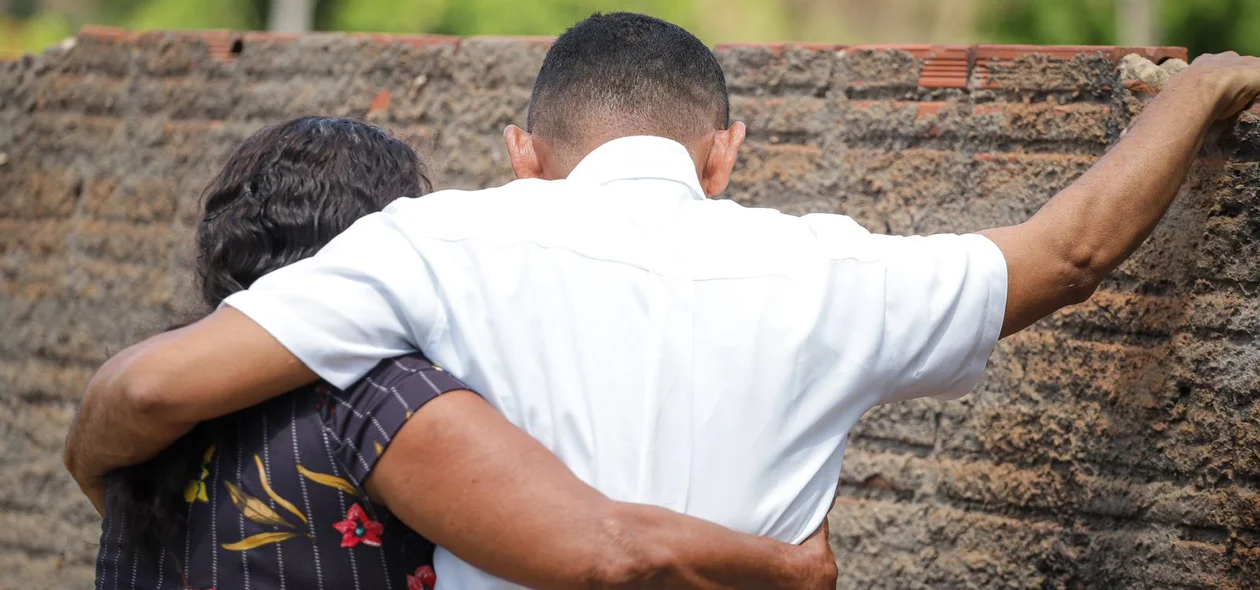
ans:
(1081, 271)
(148, 394)
(149, 397)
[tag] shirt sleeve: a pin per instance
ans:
(365, 417)
(364, 297)
(934, 305)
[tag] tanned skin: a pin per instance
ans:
(145, 398)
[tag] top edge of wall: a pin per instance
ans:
(943, 65)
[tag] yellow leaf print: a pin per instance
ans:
(255, 509)
(379, 448)
(331, 481)
(259, 540)
(195, 490)
(287, 505)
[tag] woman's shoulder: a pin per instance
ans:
(366, 416)
(413, 376)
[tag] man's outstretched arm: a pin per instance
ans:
(147, 396)
(1061, 255)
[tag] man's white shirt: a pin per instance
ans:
(670, 349)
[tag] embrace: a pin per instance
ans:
(593, 376)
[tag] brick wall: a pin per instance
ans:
(1115, 444)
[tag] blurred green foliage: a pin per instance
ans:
(1205, 26)
(1201, 25)
(486, 17)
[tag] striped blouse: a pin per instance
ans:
(279, 502)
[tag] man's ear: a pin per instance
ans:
(520, 146)
(722, 157)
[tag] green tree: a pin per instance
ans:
(1200, 25)
(486, 17)
(1212, 26)
(183, 14)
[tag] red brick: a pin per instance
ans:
(61, 138)
(197, 148)
(142, 200)
(34, 430)
(1228, 250)
(38, 378)
(1084, 68)
(86, 331)
(34, 239)
(874, 67)
(127, 242)
(43, 535)
(490, 62)
(141, 286)
(190, 97)
(93, 95)
(1111, 311)
(164, 54)
(271, 57)
(1083, 122)
(37, 195)
(35, 570)
(100, 51)
(1087, 124)
(770, 69)
(907, 192)
(772, 116)
(866, 469)
(912, 423)
(1224, 311)
(277, 100)
(946, 67)
(417, 41)
(898, 545)
(779, 175)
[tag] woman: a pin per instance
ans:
(323, 488)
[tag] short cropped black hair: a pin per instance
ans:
(637, 73)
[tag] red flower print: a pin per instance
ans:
(424, 579)
(356, 528)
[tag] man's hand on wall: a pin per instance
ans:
(1061, 255)
(1232, 80)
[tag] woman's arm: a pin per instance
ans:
(464, 477)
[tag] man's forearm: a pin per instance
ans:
(550, 529)
(112, 428)
(1062, 253)
(1117, 203)
(705, 555)
(146, 397)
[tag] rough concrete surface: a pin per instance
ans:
(1116, 444)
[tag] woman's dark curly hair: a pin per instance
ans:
(291, 188)
(284, 193)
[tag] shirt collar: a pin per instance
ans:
(639, 156)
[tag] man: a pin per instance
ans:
(670, 349)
